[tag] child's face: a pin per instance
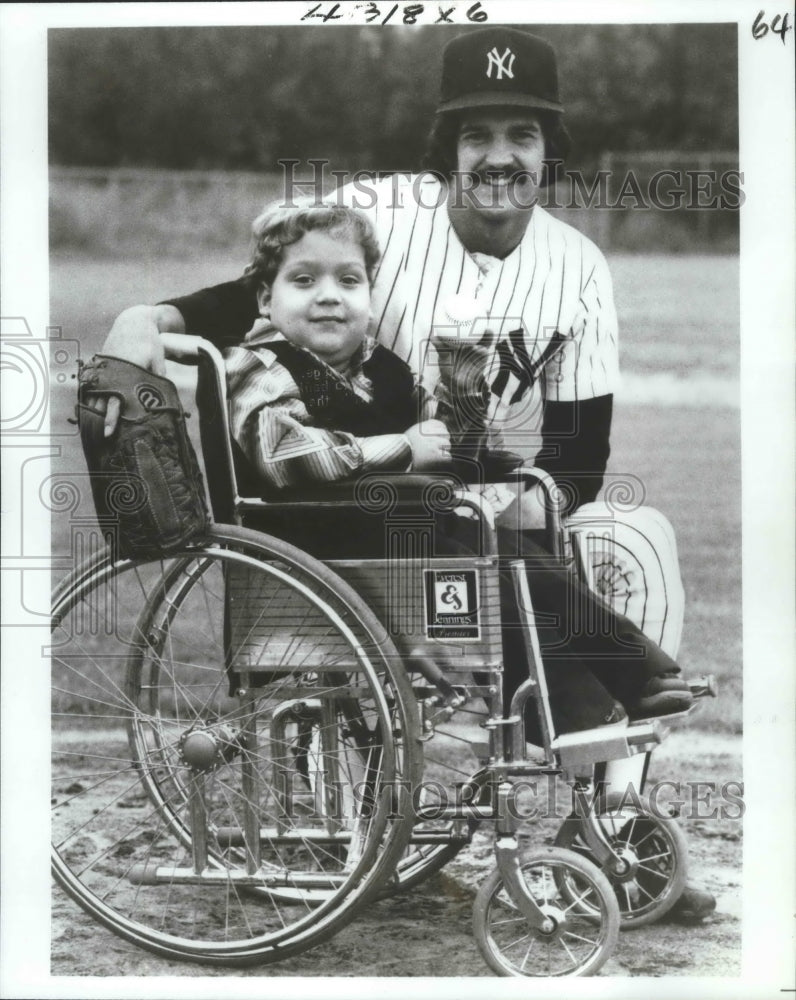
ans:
(320, 298)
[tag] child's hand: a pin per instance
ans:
(431, 445)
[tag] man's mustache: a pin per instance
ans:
(492, 176)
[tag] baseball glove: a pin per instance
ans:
(463, 397)
(145, 478)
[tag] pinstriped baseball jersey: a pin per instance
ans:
(550, 301)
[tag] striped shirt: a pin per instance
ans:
(271, 423)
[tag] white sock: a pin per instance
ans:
(625, 773)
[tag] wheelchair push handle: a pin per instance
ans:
(187, 349)
(553, 502)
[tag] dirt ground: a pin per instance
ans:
(427, 932)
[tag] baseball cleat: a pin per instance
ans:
(692, 906)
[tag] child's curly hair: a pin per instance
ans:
(280, 226)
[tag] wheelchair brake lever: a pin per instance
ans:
(445, 701)
(445, 706)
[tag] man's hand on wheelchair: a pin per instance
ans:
(431, 445)
(135, 337)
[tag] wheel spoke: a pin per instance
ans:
(289, 833)
(564, 945)
(649, 895)
(656, 872)
(628, 899)
(508, 920)
(579, 937)
(579, 944)
(527, 955)
(657, 857)
(516, 941)
(577, 901)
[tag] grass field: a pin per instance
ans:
(679, 336)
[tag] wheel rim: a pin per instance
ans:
(131, 751)
(581, 938)
(652, 849)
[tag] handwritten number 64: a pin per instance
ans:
(779, 26)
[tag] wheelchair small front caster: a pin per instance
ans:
(581, 923)
(653, 853)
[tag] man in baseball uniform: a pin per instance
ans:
(466, 249)
(465, 246)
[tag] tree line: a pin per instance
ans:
(241, 98)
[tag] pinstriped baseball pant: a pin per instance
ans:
(593, 655)
(631, 563)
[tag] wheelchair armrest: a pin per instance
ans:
(373, 490)
(377, 495)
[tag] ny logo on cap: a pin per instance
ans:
(502, 63)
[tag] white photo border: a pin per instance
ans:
(767, 331)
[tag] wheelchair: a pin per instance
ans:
(250, 743)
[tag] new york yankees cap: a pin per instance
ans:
(492, 67)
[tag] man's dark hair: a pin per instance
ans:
(440, 155)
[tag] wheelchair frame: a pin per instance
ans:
(178, 769)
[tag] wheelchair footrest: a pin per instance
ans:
(593, 746)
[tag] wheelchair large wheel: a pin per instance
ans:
(234, 744)
(578, 943)
(653, 847)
